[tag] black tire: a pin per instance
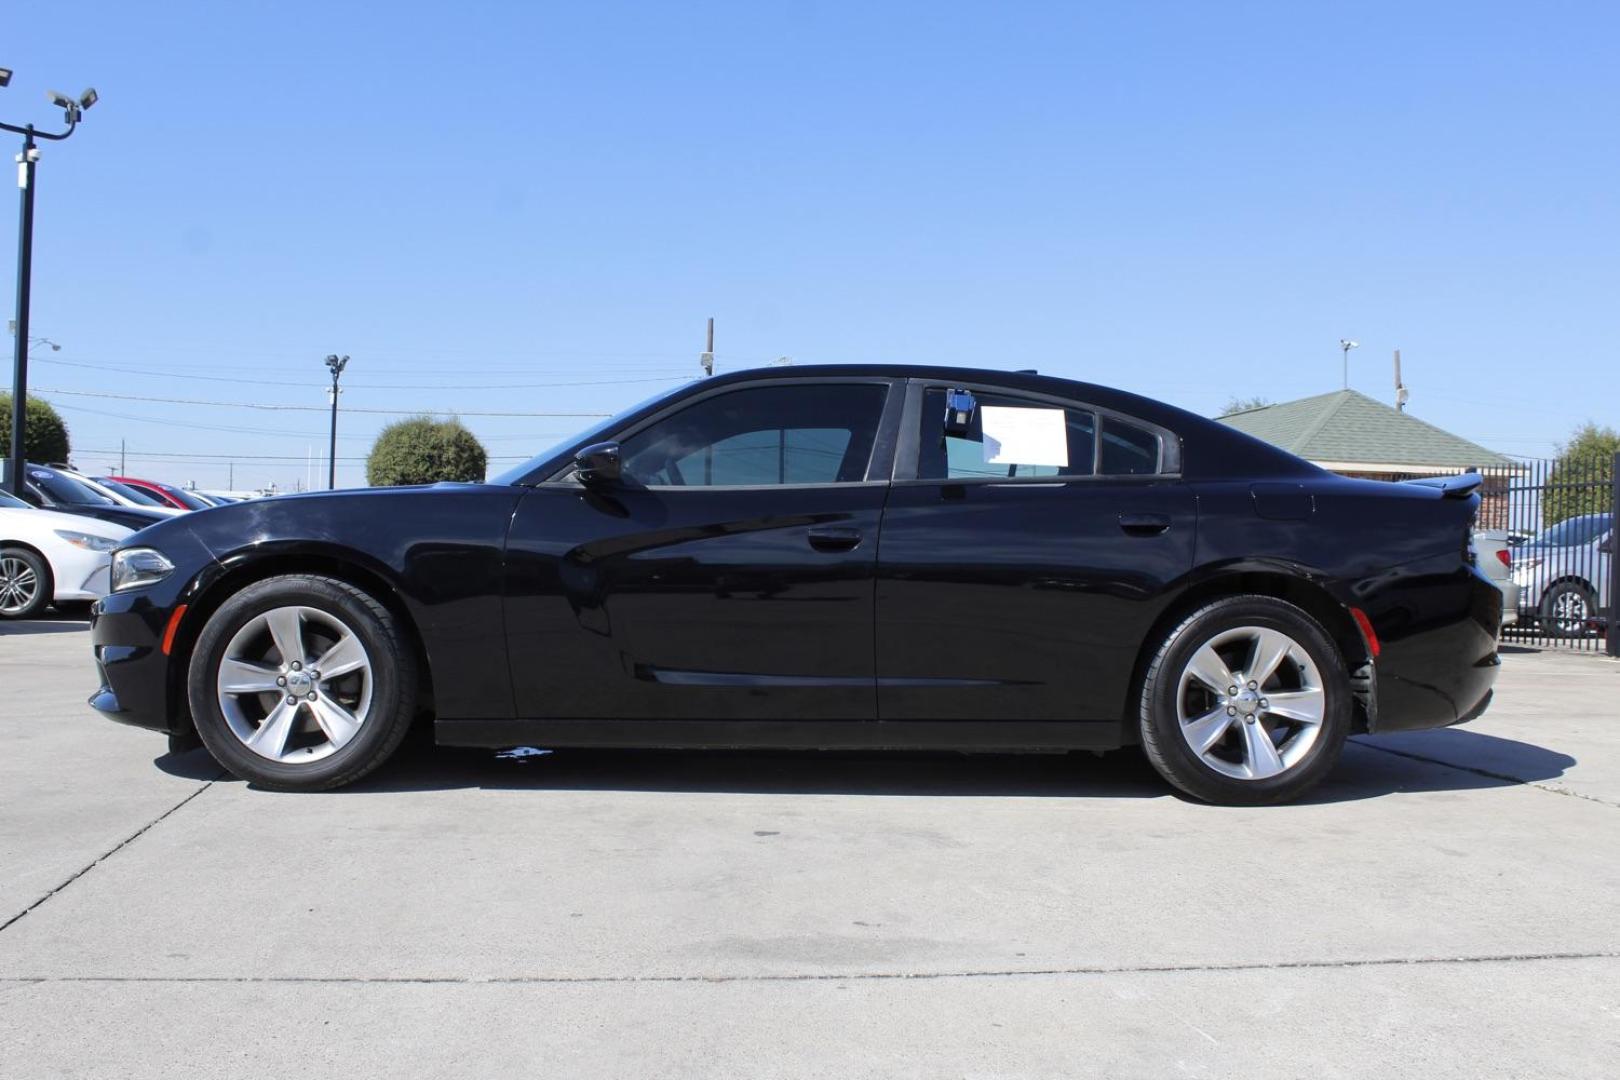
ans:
(1161, 726)
(43, 586)
(393, 674)
(1566, 593)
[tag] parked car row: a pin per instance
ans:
(55, 542)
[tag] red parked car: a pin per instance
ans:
(167, 494)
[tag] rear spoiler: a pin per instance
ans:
(1452, 487)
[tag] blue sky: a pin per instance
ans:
(1193, 201)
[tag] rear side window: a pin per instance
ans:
(1009, 438)
(1128, 450)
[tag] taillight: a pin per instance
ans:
(1505, 557)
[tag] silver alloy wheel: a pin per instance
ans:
(19, 585)
(1251, 703)
(295, 684)
(1569, 612)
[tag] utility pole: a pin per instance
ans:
(230, 483)
(1400, 388)
(707, 359)
(121, 471)
(72, 112)
(337, 364)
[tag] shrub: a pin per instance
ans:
(45, 436)
(422, 450)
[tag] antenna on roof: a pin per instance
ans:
(1400, 388)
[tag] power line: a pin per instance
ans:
(307, 408)
(365, 385)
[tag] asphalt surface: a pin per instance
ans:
(1447, 905)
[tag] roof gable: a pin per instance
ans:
(1349, 427)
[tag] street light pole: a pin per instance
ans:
(25, 268)
(1345, 345)
(72, 112)
(337, 364)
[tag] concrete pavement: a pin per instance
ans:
(1445, 906)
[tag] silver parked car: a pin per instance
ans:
(1563, 574)
(1494, 557)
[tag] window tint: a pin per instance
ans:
(66, 491)
(942, 457)
(1127, 449)
(806, 434)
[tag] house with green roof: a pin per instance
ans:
(1350, 433)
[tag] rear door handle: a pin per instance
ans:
(834, 538)
(1144, 524)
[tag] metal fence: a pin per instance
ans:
(1557, 518)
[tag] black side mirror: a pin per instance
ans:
(598, 464)
(1607, 546)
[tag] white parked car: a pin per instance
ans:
(1564, 574)
(46, 557)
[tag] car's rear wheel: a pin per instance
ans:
(25, 583)
(1246, 701)
(302, 683)
(1567, 608)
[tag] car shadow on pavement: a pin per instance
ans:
(1448, 760)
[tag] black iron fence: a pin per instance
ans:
(1549, 527)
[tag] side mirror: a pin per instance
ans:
(598, 464)
(1607, 546)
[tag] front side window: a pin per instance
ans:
(766, 435)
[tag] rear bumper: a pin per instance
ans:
(1439, 671)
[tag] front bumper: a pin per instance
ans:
(126, 634)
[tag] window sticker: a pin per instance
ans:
(1016, 436)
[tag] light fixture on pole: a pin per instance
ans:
(1345, 345)
(72, 113)
(336, 363)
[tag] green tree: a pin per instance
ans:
(45, 436)
(1243, 404)
(1580, 479)
(422, 450)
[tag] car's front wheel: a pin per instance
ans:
(25, 583)
(1246, 701)
(302, 683)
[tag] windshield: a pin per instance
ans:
(133, 494)
(67, 491)
(583, 438)
(11, 502)
(1573, 532)
(186, 498)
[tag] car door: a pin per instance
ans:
(1021, 590)
(728, 576)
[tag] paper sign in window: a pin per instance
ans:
(1014, 436)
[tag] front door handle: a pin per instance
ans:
(834, 538)
(1144, 524)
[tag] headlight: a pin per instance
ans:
(138, 566)
(86, 541)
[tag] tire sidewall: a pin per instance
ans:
(1160, 704)
(377, 733)
(42, 575)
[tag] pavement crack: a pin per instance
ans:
(109, 853)
(1489, 773)
(857, 976)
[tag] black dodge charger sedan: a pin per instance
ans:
(831, 557)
